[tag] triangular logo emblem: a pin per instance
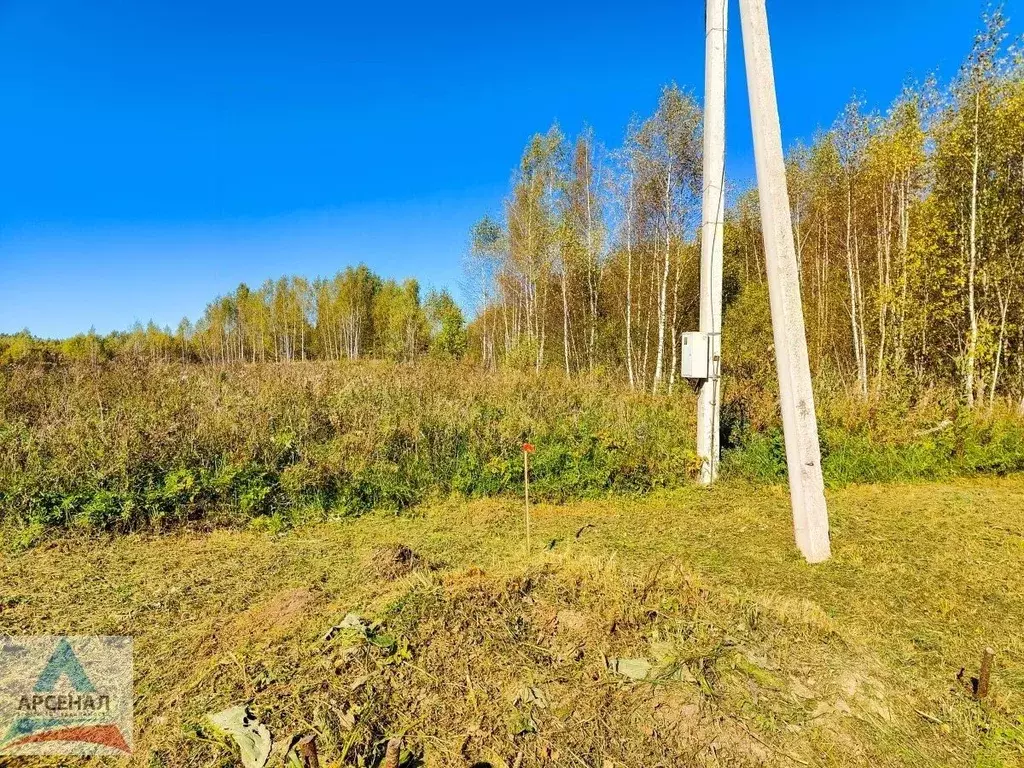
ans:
(64, 662)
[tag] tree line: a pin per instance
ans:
(909, 228)
(352, 315)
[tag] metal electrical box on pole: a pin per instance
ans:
(696, 356)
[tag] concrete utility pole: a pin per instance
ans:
(803, 452)
(713, 215)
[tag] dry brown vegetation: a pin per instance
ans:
(478, 653)
(132, 445)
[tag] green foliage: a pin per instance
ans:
(398, 321)
(21, 348)
(886, 441)
(122, 446)
(355, 314)
(447, 326)
(125, 446)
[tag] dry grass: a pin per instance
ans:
(485, 654)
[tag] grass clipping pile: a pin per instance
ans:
(570, 662)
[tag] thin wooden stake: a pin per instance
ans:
(985, 674)
(526, 486)
(393, 754)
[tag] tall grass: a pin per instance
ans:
(908, 435)
(122, 446)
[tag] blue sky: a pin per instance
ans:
(154, 155)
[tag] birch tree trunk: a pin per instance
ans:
(1004, 306)
(629, 286)
(851, 278)
(663, 298)
(675, 315)
(972, 346)
(565, 312)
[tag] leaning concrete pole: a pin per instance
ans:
(803, 452)
(713, 215)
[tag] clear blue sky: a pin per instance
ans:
(155, 154)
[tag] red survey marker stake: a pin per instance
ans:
(527, 450)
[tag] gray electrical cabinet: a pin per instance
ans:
(695, 355)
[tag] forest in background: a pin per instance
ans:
(356, 314)
(909, 230)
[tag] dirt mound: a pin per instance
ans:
(392, 562)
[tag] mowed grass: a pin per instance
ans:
(487, 654)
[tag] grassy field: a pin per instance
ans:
(481, 653)
(133, 447)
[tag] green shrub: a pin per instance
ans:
(884, 441)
